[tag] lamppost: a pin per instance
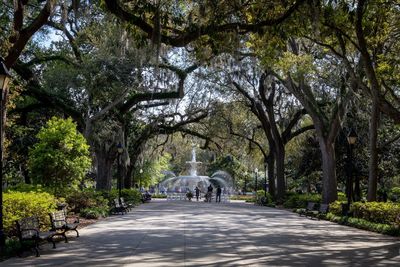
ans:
(245, 181)
(120, 149)
(140, 179)
(351, 139)
(4, 79)
(255, 186)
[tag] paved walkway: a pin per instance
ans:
(209, 234)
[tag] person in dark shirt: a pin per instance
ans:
(197, 190)
(218, 197)
(209, 193)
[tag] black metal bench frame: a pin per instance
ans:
(60, 224)
(118, 207)
(146, 197)
(306, 212)
(321, 212)
(127, 206)
(28, 229)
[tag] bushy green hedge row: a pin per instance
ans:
(377, 212)
(159, 196)
(300, 200)
(388, 229)
(18, 205)
(131, 196)
(394, 194)
(94, 204)
(89, 204)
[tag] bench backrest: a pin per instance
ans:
(58, 219)
(28, 227)
(116, 203)
(310, 205)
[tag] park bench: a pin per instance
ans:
(320, 213)
(118, 208)
(310, 207)
(60, 223)
(28, 231)
(127, 206)
(146, 197)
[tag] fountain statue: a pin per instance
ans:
(193, 163)
(184, 183)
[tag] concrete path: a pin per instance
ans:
(208, 234)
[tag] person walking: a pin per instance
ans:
(209, 193)
(218, 197)
(197, 190)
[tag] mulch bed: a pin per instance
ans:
(83, 222)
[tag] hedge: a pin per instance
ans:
(300, 200)
(377, 212)
(18, 205)
(388, 229)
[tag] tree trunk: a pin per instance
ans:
(271, 173)
(104, 167)
(373, 149)
(128, 177)
(329, 183)
(280, 172)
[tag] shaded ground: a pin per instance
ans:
(208, 234)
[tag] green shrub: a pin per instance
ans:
(247, 198)
(18, 205)
(159, 196)
(12, 247)
(336, 207)
(79, 200)
(394, 194)
(61, 158)
(131, 196)
(261, 195)
(342, 196)
(378, 212)
(93, 213)
(364, 224)
(300, 200)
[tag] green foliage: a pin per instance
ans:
(152, 170)
(94, 213)
(131, 196)
(260, 198)
(80, 200)
(336, 207)
(300, 200)
(377, 212)
(394, 194)
(18, 205)
(159, 196)
(388, 229)
(61, 157)
(342, 196)
(247, 198)
(229, 164)
(11, 248)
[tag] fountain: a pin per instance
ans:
(184, 183)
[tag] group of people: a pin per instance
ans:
(208, 195)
